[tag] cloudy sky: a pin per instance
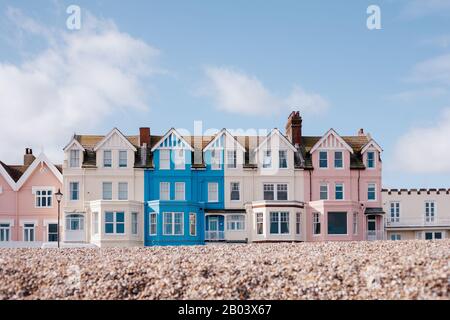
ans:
(240, 65)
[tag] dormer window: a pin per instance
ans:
(164, 159)
(107, 158)
(215, 159)
(371, 159)
(180, 162)
(338, 160)
(267, 159)
(231, 159)
(283, 159)
(74, 158)
(323, 159)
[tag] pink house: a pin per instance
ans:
(28, 209)
(343, 187)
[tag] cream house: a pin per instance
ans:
(417, 213)
(103, 193)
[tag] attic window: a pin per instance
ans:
(74, 158)
(371, 159)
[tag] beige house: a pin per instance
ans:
(103, 193)
(417, 213)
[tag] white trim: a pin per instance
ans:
(216, 193)
(376, 190)
(150, 224)
(276, 131)
(321, 184)
(371, 143)
(337, 136)
(175, 132)
(334, 160)
(115, 223)
(109, 135)
(28, 221)
(76, 142)
(42, 158)
(7, 221)
(328, 159)
(172, 213)
(195, 224)
(1, 189)
(343, 191)
(219, 135)
(49, 221)
(8, 178)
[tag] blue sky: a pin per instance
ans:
(393, 82)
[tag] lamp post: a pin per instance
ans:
(58, 196)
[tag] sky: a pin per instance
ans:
(242, 65)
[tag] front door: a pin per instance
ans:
(74, 231)
(213, 227)
(52, 232)
(371, 228)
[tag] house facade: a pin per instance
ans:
(104, 189)
(417, 213)
(28, 208)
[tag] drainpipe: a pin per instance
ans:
(310, 186)
(17, 224)
(359, 189)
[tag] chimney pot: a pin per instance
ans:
(361, 132)
(28, 158)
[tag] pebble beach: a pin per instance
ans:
(286, 271)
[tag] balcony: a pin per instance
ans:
(373, 235)
(417, 222)
(214, 235)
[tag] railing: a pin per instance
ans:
(417, 222)
(214, 235)
(373, 235)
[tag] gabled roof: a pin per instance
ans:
(271, 134)
(226, 133)
(170, 132)
(42, 158)
(72, 142)
(109, 135)
(338, 138)
(6, 175)
(372, 143)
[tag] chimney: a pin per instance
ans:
(361, 132)
(294, 128)
(28, 158)
(144, 136)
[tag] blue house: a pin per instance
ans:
(178, 190)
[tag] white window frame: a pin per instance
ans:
(236, 222)
(374, 160)
(298, 223)
(95, 223)
(27, 231)
(164, 159)
(285, 152)
(259, 220)
(272, 186)
(121, 192)
(278, 190)
(180, 189)
(320, 191)
(231, 160)
(394, 211)
(395, 237)
(173, 215)
(328, 160)
(115, 223)
(210, 192)
(267, 159)
(162, 191)
(135, 223)
(316, 221)
(430, 206)
(153, 215)
(179, 159)
(280, 215)
(342, 159)
(215, 159)
(105, 165)
(38, 195)
(192, 224)
(335, 191)
(74, 158)
(121, 164)
(355, 223)
(71, 190)
(232, 189)
(103, 190)
(5, 229)
(375, 191)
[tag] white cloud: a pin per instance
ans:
(425, 149)
(239, 93)
(79, 79)
(436, 69)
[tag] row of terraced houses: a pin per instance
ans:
(174, 189)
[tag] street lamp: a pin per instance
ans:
(58, 196)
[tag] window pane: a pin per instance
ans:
(122, 159)
(337, 223)
(109, 228)
(323, 159)
(120, 228)
(338, 159)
